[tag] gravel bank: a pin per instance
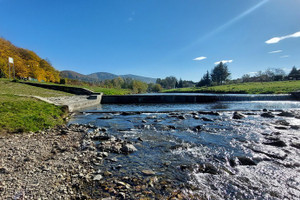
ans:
(63, 163)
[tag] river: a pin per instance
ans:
(206, 153)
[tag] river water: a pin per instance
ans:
(208, 154)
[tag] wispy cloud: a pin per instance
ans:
(278, 39)
(277, 51)
(200, 58)
(131, 18)
(223, 61)
(285, 56)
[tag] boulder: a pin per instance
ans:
(286, 114)
(277, 143)
(246, 161)
(267, 115)
(181, 117)
(282, 122)
(237, 115)
(148, 172)
(208, 168)
(128, 148)
(98, 177)
(206, 119)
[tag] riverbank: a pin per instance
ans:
(62, 163)
(276, 87)
(98, 162)
(19, 112)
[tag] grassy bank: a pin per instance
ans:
(278, 87)
(14, 88)
(22, 114)
(105, 91)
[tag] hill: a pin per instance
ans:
(27, 63)
(100, 76)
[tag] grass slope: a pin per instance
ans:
(23, 114)
(105, 91)
(278, 87)
(8, 87)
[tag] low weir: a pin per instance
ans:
(195, 98)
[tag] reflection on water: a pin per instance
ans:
(213, 155)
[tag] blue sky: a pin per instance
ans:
(157, 38)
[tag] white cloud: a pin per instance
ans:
(278, 39)
(277, 51)
(223, 61)
(285, 56)
(200, 58)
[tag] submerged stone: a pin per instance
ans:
(277, 143)
(148, 172)
(246, 161)
(128, 148)
(208, 168)
(267, 115)
(286, 114)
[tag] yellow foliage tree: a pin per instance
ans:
(27, 63)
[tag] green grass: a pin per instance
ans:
(105, 91)
(23, 114)
(14, 88)
(109, 91)
(278, 87)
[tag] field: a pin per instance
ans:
(278, 87)
(109, 91)
(22, 114)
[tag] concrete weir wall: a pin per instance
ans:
(132, 99)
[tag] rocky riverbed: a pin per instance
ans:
(63, 163)
(173, 155)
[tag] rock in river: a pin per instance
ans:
(98, 177)
(148, 172)
(267, 115)
(128, 148)
(246, 161)
(237, 115)
(277, 143)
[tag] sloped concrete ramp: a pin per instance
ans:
(74, 103)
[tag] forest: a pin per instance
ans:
(28, 65)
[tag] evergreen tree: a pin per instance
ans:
(220, 73)
(294, 74)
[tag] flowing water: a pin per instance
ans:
(211, 155)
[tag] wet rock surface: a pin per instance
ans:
(133, 155)
(247, 154)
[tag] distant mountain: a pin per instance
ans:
(140, 78)
(100, 76)
(77, 76)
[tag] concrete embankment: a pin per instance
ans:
(83, 97)
(132, 99)
(74, 103)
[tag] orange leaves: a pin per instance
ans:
(27, 63)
